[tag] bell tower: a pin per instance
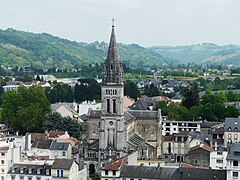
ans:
(112, 132)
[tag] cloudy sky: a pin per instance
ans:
(146, 22)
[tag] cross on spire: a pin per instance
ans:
(113, 20)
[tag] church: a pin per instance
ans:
(113, 131)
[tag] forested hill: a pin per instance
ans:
(44, 50)
(206, 53)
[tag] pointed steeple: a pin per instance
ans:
(113, 71)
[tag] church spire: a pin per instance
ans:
(113, 72)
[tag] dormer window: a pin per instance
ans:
(235, 129)
(21, 170)
(229, 129)
(47, 172)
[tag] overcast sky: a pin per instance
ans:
(145, 22)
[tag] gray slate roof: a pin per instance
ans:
(62, 164)
(15, 169)
(204, 138)
(208, 124)
(146, 115)
(147, 172)
(232, 124)
(234, 152)
(199, 174)
(59, 146)
(137, 141)
(42, 143)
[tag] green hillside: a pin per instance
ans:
(44, 50)
(205, 53)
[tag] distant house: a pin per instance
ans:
(60, 150)
(29, 171)
(65, 169)
(218, 158)
(199, 156)
(233, 161)
(231, 130)
(65, 109)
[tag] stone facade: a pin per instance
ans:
(113, 132)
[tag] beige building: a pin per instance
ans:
(60, 150)
(9, 154)
(231, 130)
(65, 169)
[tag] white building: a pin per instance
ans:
(29, 171)
(170, 127)
(218, 158)
(233, 162)
(9, 154)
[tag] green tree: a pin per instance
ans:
(25, 110)
(151, 90)
(55, 121)
(130, 89)
(231, 96)
(191, 96)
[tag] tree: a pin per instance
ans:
(87, 89)
(151, 90)
(130, 89)
(96, 176)
(191, 96)
(25, 110)
(55, 121)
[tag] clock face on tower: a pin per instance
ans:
(110, 123)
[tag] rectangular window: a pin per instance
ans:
(29, 178)
(2, 161)
(21, 177)
(219, 161)
(2, 177)
(235, 174)
(2, 154)
(114, 173)
(64, 153)
(13, 177)
(106, 172)
(58, 173)
(219, 153)
(38, 178)
(61, 173)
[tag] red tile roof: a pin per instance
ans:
(185, 165)
(35, 136)
(203, 146)
(115, 165)
(168, 138)
(4, 149)
(55, 134)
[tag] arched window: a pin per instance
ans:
(108, 105)
(114, 106)
(111, 67)
(235, 129)
(106, 91)
(115, 92)
(235, 163)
